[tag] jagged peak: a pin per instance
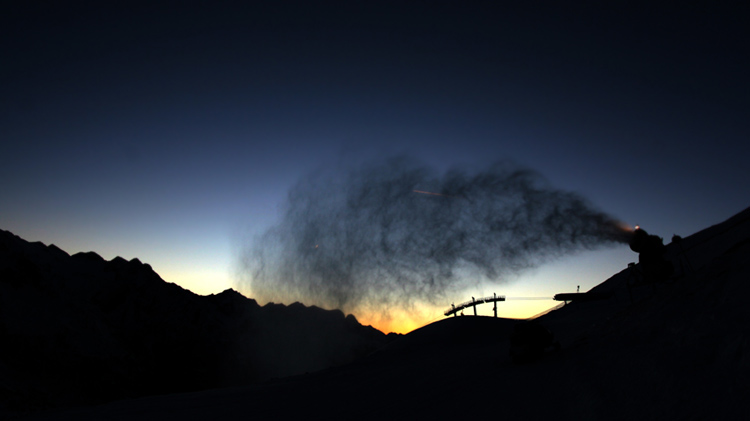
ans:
(57, 250)
(230, 292)
(88, 255)
(118, 259)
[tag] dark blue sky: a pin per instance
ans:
(172, 131)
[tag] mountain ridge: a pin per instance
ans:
(673, 349)
(79, 330)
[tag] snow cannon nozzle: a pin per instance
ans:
(624, 234)
(639, 238)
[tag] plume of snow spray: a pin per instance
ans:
(396, 233)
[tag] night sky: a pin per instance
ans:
(172, 131)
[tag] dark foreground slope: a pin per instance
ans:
(678, 350)
(78, 330)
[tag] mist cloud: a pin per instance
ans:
(397, 232)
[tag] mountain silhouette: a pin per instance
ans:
(676, 348)
(81, 330)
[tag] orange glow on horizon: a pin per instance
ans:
(392, 324)
(404, 322)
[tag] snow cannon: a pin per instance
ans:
(639, 239)
(645, 244)
(651, 250)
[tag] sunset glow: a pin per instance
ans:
(177, 138)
